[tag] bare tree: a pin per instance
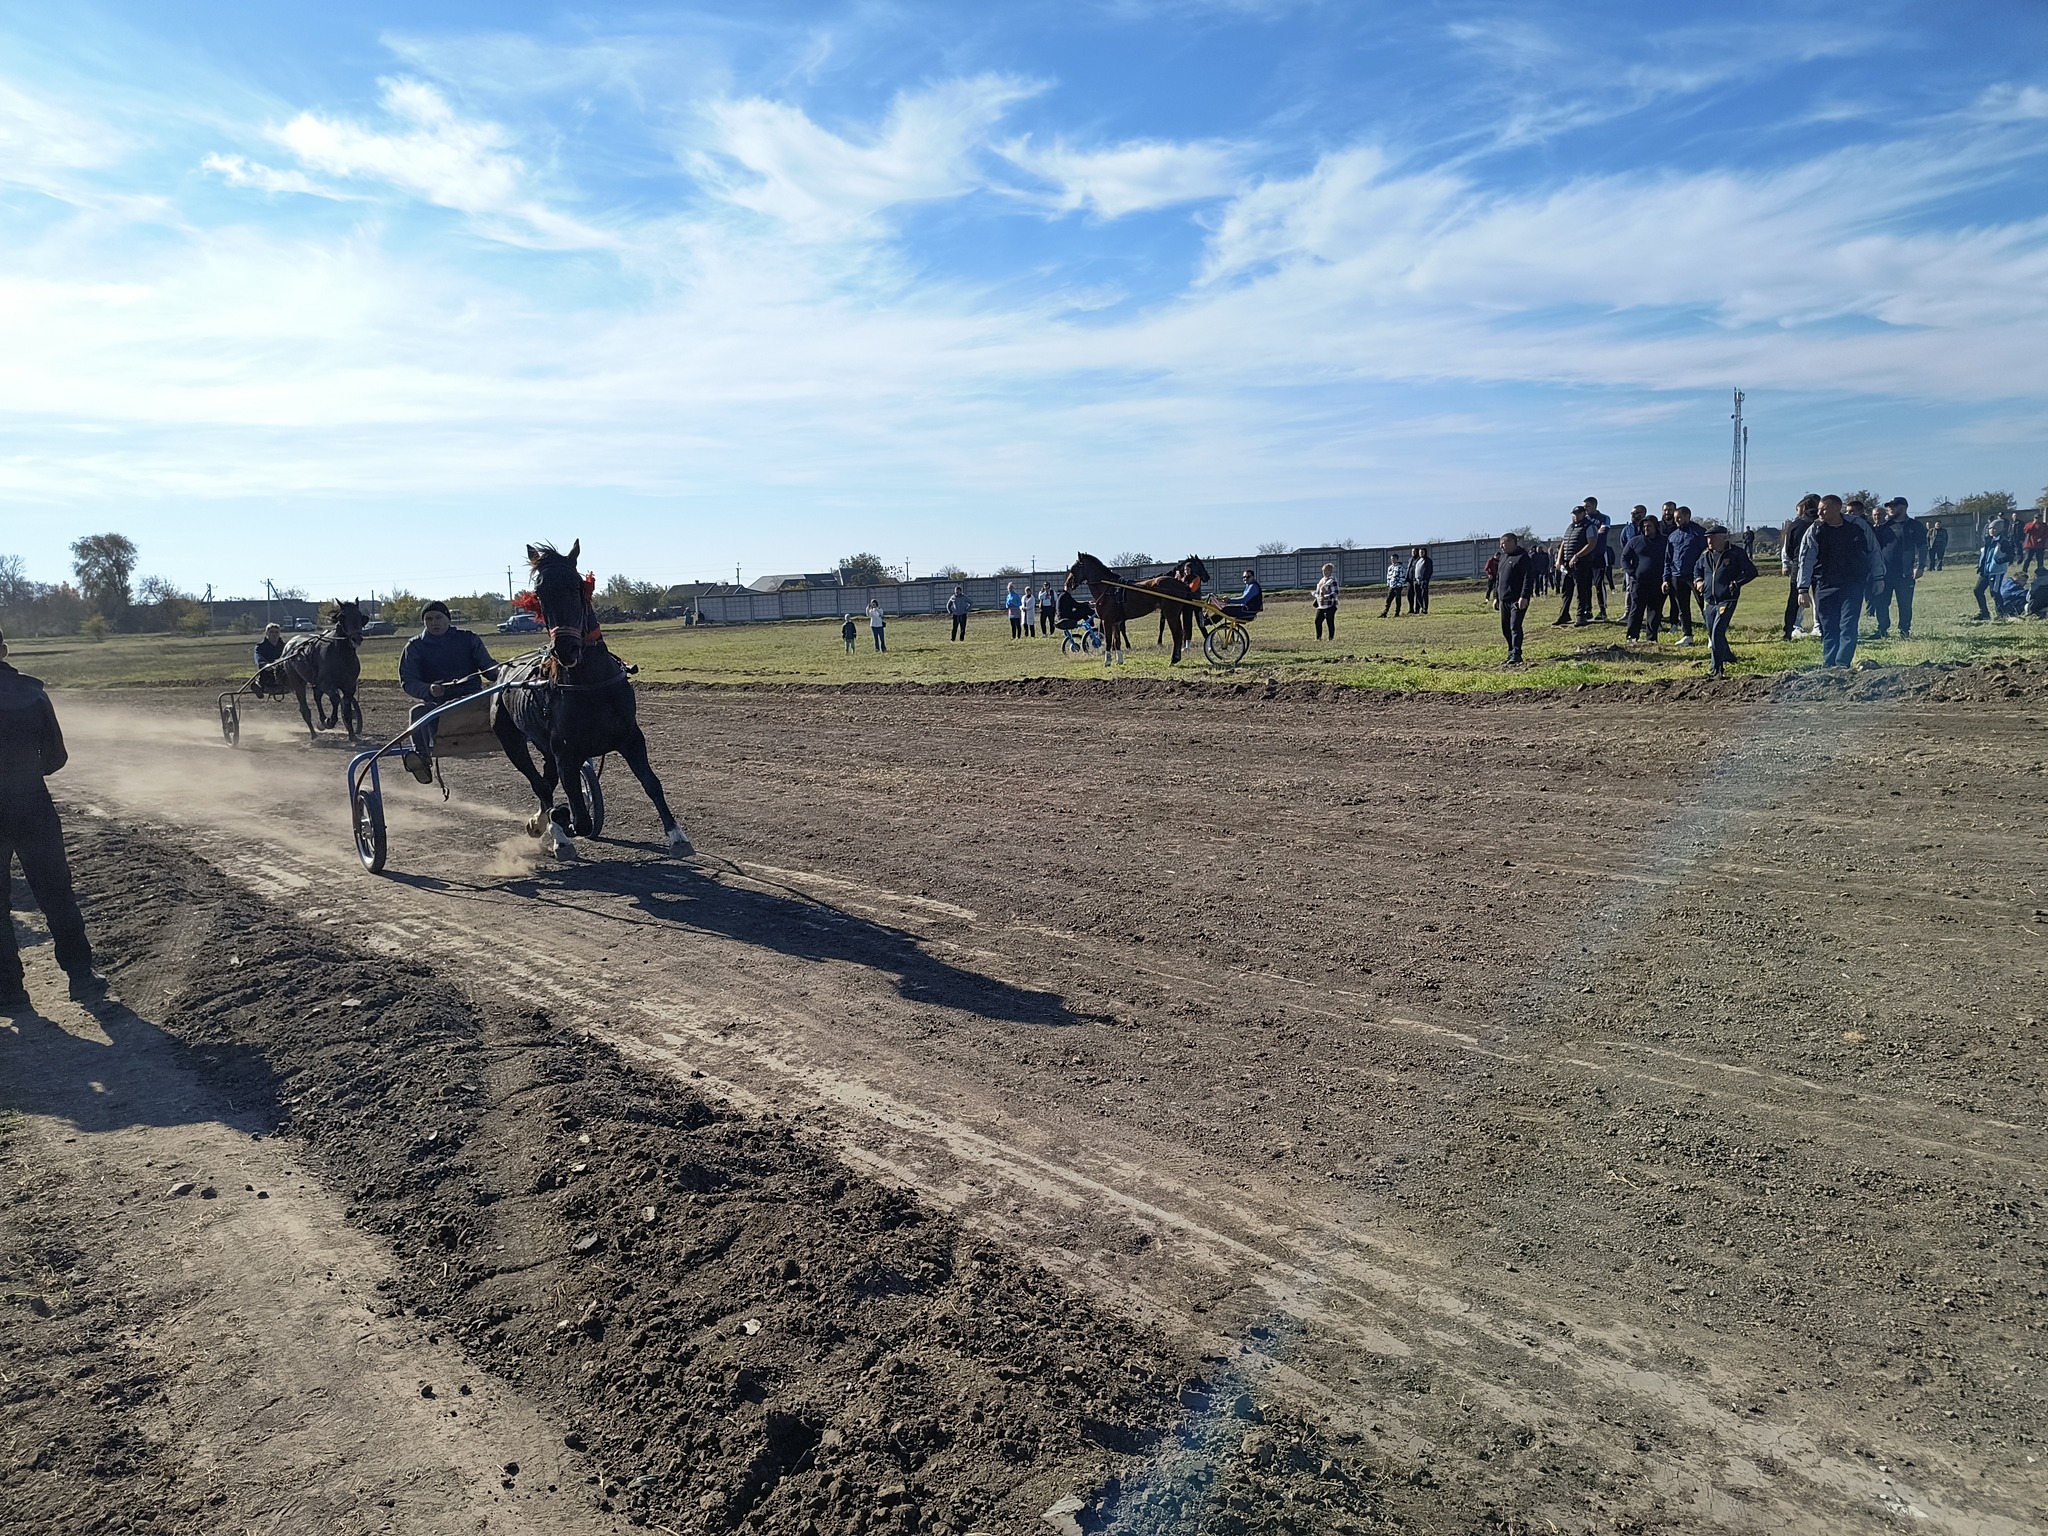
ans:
(1276, 547)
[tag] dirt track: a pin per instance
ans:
(1612, 1112)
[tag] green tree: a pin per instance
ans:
(2041, 501)
(1988, 504)
(950, 572)
(104, 562)
(193, 619)
(863, 570)
(401, 608)
(1007, 571)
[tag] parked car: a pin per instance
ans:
(380, 627)
(519, 624)
(302, 623)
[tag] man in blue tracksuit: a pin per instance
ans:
(1724, 569)
(1838, 562)
(440, 663)
(1682, 551)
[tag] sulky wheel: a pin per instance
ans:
(593, 795)
(1226, 643)
(366, 809)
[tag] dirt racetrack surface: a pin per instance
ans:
(1590, 1113)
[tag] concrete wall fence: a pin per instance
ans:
(1461, 560)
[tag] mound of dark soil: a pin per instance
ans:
(734, 1331)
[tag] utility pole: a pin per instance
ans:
(508, 583)
(1738, 473)
(269, 597)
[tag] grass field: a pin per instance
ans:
(1454, 648)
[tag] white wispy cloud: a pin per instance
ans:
(44, 143)
(434, 153)
(823, 185)
(1131, 177)
(2013, 104)
(239, 171)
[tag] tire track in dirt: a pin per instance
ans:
(1071, 1189)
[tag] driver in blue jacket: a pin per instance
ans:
(440, 663)
(1249, 601)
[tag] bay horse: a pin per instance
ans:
(576, 704)
(1118, 600)
(327, 664)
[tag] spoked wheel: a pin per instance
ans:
(230, 722)
(1072, 643)
(352, 718)
(366, 809)
(593, 794)
(1226, 643)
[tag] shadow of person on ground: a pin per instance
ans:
(107, 1068)
(792, 924)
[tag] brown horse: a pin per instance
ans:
(1118, 600)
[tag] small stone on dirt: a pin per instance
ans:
(751, 1326)
(1061, 1517)
(589, 1242)
(178, 1190)
(209, 1193)
(647, 1213)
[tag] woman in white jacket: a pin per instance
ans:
(1326, 603)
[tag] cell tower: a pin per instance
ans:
(1738, 473)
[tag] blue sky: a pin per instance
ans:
(356, 296)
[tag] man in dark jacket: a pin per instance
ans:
(1643, 558)
(1514, 583)
(1681, 555)
(1576, 553)
(1724, 569)
(31, 749)
(266, 653)
(1788, 559)
(1937, 546)
(1902, 545)
(1838, 564)
(439, 663)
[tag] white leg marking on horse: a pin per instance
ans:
(536, 823)
(679, 841)
(563, 845)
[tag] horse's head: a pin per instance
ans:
(563, 599)
(1192, 570)
(1087, 568)
(349, 620)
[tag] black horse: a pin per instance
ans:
(575, 702)
(1118, 600)
(326, 664)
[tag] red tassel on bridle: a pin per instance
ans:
(529, 602)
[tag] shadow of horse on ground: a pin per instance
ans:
(803, 928)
